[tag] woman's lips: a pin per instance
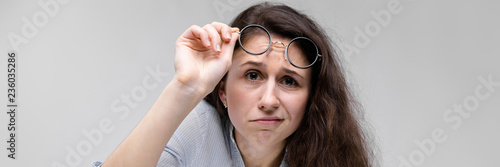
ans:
(267, 121)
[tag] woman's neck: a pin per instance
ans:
(259, 154)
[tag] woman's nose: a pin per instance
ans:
(269, 100)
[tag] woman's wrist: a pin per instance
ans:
(190, 90)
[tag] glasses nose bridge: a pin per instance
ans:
(279, 42)
(281, 45)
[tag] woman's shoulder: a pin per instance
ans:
(201, 119)
(198, 140)
(204, 114)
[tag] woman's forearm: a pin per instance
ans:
(144, 145)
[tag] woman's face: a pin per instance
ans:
(266, 96)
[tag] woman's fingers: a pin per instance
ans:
(235, 30)
(196, 32)
(214, 36)
(218, 33)
(228, 47)
(223, 29)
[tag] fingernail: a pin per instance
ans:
(218, 47)
(235, 29)
(228, 35)
(208, 42)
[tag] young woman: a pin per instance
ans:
(275, 95)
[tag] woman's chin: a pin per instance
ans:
(267, 137)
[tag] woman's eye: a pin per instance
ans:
(253, 76)
(289, 82)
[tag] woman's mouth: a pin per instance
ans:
(267, 121)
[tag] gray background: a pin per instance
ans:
(88, 56)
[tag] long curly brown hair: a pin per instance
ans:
(331, 131)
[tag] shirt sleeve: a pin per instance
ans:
(173, 154)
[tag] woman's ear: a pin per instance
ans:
(222, 91)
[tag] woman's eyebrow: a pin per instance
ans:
(254, 63)
(289, 71)
(261, 64)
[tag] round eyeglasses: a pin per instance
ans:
(301, 52)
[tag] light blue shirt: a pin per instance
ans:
(202, 139)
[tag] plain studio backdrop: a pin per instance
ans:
(425, 71)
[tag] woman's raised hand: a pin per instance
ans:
(203, 55)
